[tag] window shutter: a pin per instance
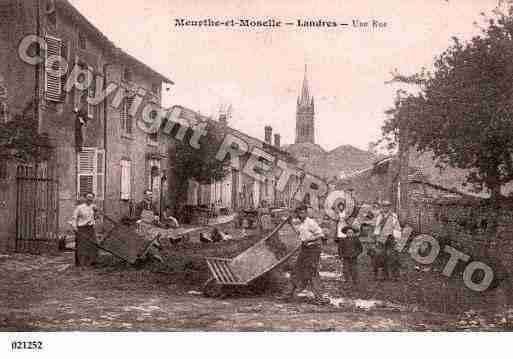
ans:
(100, 173)
(53, 85)
(125, 179)
(86, 171)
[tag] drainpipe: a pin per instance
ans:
(105, 106)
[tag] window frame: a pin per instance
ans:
(126, 170)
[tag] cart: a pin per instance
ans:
(274, 249)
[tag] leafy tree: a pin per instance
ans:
(20, 140)
(464, 111)
(199, 164)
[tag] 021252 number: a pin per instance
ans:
(15, 345)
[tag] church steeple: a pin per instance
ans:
(305, 91)
(305, 111)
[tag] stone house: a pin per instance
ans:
(94, 148)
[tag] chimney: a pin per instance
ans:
(277, 140)
(268, 134)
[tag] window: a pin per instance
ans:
(153, 139)
(4, 174)
(82, 41)
(126, 116)
(65, 55)
(79, 94)
(155, 88)
(91, 171)
(154, 174)
(53, 84)
(127, 75)
(126, 179)
(4, 112)
(51, 13)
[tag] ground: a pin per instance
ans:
(46, 292)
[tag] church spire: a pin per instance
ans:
(305, 113)
(305, 91)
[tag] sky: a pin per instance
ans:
(259, 71)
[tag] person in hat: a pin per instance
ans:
(349, 249)
(387, 224)
(306, 270)
(386, 232)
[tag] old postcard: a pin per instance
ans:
(174, 165)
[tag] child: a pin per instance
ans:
(349, 249)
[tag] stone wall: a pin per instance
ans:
(466, 227)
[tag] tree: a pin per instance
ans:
(200, 164)
(20, 140)
(464, 111)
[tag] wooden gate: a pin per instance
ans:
(37, 217)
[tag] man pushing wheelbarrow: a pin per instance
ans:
(306, 269)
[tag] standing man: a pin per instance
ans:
(306, 271)
(83, 221)
(386, 232)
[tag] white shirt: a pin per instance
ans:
(341, 223)
(390, 227)
(309, 230)
(83, 215)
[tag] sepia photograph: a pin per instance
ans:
(255, 166)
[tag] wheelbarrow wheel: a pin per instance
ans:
(211, 289)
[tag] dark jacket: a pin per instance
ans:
(143, 205)
(350, 247)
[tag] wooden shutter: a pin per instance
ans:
(126, 180)
(86, 171)
(53, 85)
(91, 172)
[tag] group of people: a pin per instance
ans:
(387, 230)
(86, 215)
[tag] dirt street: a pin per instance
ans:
(49, 293)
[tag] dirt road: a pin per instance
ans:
(48, 293)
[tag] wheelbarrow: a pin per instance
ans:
(255, 262)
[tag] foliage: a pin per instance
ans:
(201, 164)
(464, 111)
(20, 140)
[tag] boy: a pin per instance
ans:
(349, 249)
